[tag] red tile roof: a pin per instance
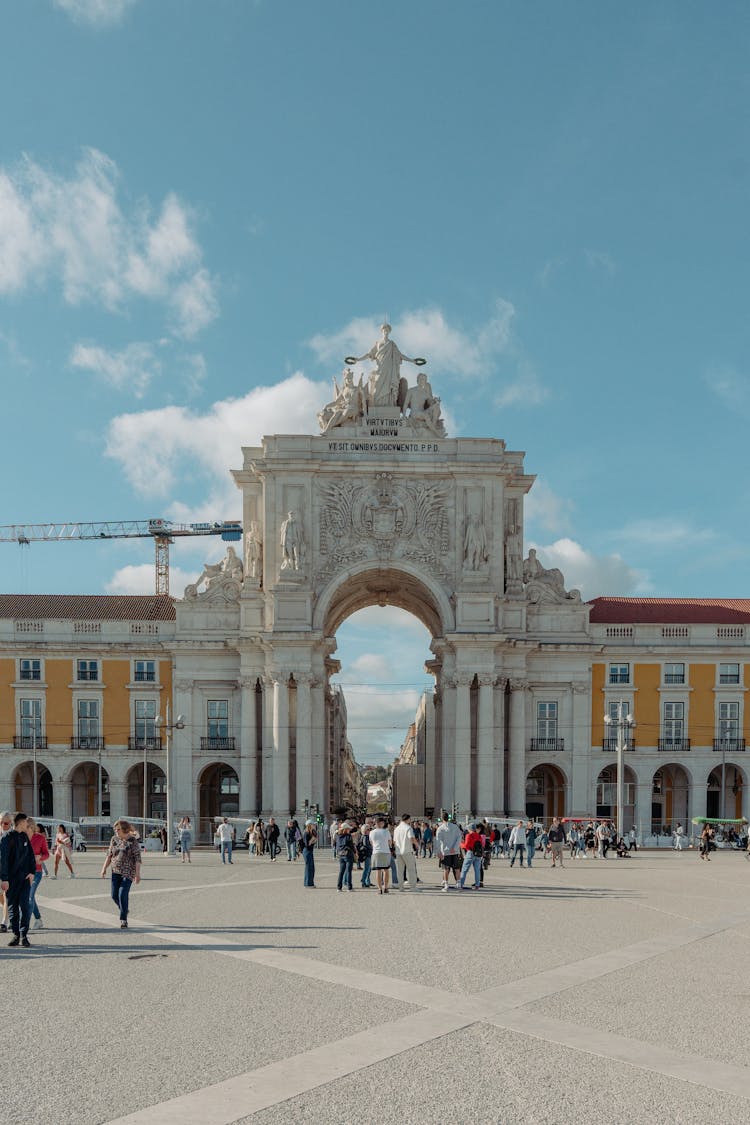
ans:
(87, 607)
(670, 611)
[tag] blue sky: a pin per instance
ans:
(205, 205)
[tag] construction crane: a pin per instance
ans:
(163, 532)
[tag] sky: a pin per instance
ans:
(206, 204)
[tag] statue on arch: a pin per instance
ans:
(423, 406)
(543, 584)
(385, 386)
(223, 579)
(349, 403)
(292, 542)
(475, 544)
(254, 552)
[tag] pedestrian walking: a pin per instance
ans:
(272, 838)
(41, 853)
(427, 839)
(364, 852)
(259, 836)
(381, 841)
(556, 837)
(17, 869)
(124, 857)
(309, 840)
(63, 850)
(185, 830)
(224, 832)
(291, 835)
(345, 854)
(632, 840)
(6, 826)
(448, 839)
(406, 845)
(530, 842)
(517, 843)
(473, 849)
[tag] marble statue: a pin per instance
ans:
(223, 578)
(254, 552)
(292, 543)
(475, 544)
(348, 405)
(423, 406)
(543, 584)
(384, 384)
(513, 548)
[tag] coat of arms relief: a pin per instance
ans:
(384, 519)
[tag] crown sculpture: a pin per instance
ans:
(385, 404)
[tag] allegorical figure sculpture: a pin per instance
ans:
(292, 543)
(348, 405)
(475, 544)
(384, 384)
(254, 552)
(223, 576)
(539, 580)
(423, 406)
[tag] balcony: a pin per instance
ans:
(144, 742)
(87, 742)
(214, 742)
(29, 742)
(147, 677)
(609, 745)
(729, 745)
(674, 745)
(548, 745)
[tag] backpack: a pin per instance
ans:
(477, 849)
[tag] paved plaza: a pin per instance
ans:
(605, 992)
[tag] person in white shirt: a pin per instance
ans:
(518, 843)
(405, 843)
(381, 841)
(448, 838)
(224, 832)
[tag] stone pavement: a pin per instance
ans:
(605, 992)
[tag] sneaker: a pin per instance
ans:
(14, 941)
(25, 943)
(72, 874)
(123, 925)
(445, 886)
(53, 876)
(4, 928)
(350, 889)
(38, 924)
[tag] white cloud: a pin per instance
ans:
(153, 444)
(370, 665)
(663, 532)
(96, 13)
(141, 580)
(545, 509)
(426, 332)
(76, 231)
(600, 260)
(525, 390)
(548, 271)
(131, 369)
(592, 574)
(731, 387)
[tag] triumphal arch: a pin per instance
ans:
(381, 506)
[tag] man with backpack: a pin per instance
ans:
(473, 849)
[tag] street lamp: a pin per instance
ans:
(168, 727)
(623, 722)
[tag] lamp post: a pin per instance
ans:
(623, 722)
(35, 796)
(168, 727)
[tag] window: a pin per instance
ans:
(145, 719)
(31, 718)
(30, 670)
(674, 722)
(145, 671)
(729, 673)
(619, 673)
(546, 720)
(218, 718)
(617, 709)
(229, 783)
(729, 720)
(87, 669)
(88, 723)
(674, 673)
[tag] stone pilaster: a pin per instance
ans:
(462, 682)
(281, 744)
(486, 764)
(517, 781)
(304, 776)
(248, 747)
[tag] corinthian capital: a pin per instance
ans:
(463, 679)
(579, 688)
(486, 679)
(518, 684)
(303, 679)
(183, 685)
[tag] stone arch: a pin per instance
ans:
(401, 585)
(735, 788)
(83, 778)
(22, 784)
(606, 795)
(156, 791)
(218, 795)
(671, 796)
(546, 785)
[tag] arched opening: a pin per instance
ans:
(86, 796)
(670, 799)
(729, 802)
(606, 796)
(23, 784)
(155, 796)
(545, 793)
(218, 795)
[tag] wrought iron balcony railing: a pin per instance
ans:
(29, 741)
(729, 745)
(676, 745)
(144, 742)
(548, 744)
(213, 742)
(610, 744)
(87, 742)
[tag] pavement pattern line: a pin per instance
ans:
(501, 1006)
(174, 890)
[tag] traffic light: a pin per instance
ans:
(318, 815)
(454, 811)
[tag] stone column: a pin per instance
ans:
(248, 747)
(185, 789)
(498, 747)
(448, 743)
(62, 797)
(517, 783)
(267, 795)
(281, 744)
(462, 742)
(118, 799)
(319, 787)
(304, 739)
(486, 764)
(581, 751)
(643, 799)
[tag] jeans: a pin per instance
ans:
(19, 911)
(345, 871)
(366, 871)
(226, 851)
(530, 849)
(518, 851)
(291, 850)
(273, 848)
(394, 872)
(121, 893)
(470, 861)
(309, 856)
(33, 908)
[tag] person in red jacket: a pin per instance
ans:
(41, 855)
(473, 848)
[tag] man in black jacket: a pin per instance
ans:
(17, 869)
